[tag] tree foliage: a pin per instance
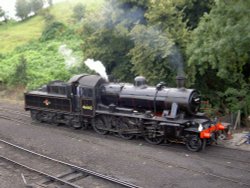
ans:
(151, 52)
(2, 13)
(110, 47)
(53, 30)
(194, 10)
(38, 62)
(20, 73)
(79, 11)
(48, 17)
(168, 15)
(158, 27)
(207, 40)
(23, 9)
(162, 38)
(50, 2)
(3, 16)
(107, 37)
(36, 5)
(220, 44)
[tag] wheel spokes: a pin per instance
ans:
(100, 126)
(124, 127)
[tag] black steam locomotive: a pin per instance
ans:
(159, 114)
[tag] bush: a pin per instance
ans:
(20, 74)
(53, 31)
(79, 12)
(48, 17)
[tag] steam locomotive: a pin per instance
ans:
(159, 114)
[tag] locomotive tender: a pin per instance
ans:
(128, 110)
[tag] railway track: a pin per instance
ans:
(173, 147)
(208, 156)
(17, 120)
(4, 109)
(68, 177)
(13, 115)
(86, 172)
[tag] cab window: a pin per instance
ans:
(86, 92)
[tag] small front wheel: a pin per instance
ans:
(193, 143)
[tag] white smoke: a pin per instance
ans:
(97, 66)
(68, 56)
(176, 60)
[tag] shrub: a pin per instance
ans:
(53, 30)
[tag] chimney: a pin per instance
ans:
(180, 81)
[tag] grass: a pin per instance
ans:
(63, 11)
(16, 34)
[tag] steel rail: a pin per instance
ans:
(12, 119)
(89, 172)
(43, 173)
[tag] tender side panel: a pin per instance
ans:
(48, 102)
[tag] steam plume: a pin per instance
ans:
(67, 53)
(97, 66)
(176, 60)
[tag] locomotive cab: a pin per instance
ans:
(87, 92)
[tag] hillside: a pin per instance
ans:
(33, 52)
(16, 34)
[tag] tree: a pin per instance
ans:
(50, 2)
(106, 36)
(48, 17)
(79, 11)
(194, 10)
(219, 50)
(151, 54)
(156, 32)
(168, 16)
(23, 9)
(36, 5)
(53, 30)
(110, 46)
(160, 42)
(174, 21)
(2, 13)
(3, 16)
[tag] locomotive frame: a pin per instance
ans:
(90, 101)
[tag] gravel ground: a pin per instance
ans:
(134, 161)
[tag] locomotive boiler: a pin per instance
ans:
(157, 99)
(159, 114)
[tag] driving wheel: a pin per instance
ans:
(99, 125)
